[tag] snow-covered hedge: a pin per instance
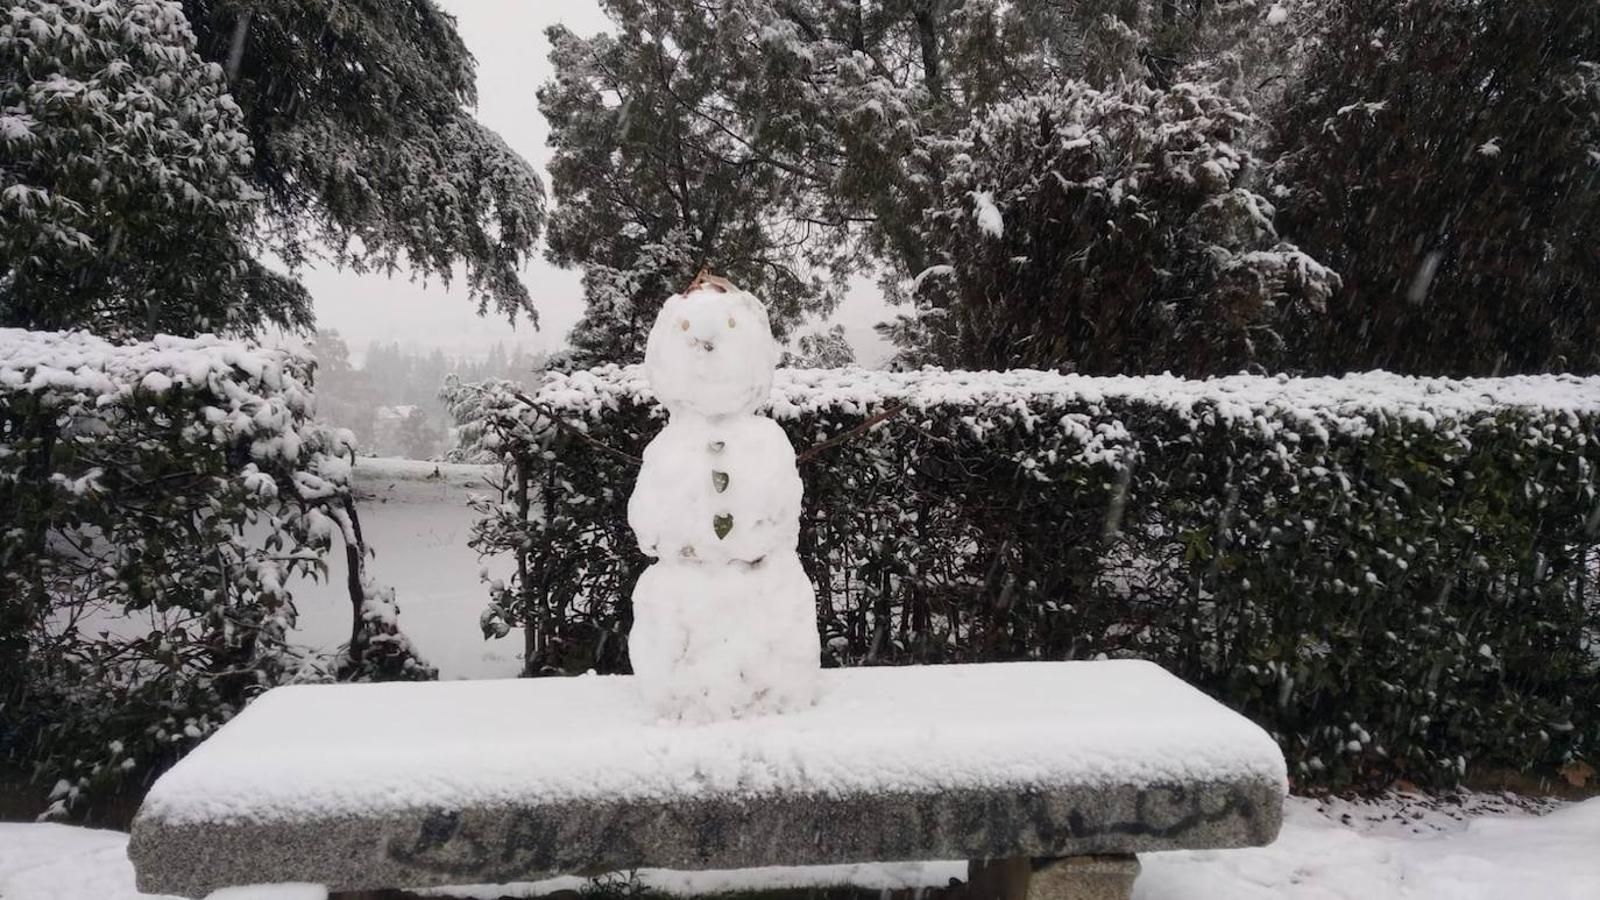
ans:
(1395, 575)
(156, 499)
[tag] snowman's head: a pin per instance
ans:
(711, 353)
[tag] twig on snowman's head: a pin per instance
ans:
(853, 433)
(704, 279)
(579, 433)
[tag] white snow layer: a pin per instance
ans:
(1349, 403)
(77, 362)
(251, 391)
(1317, 857)
(987, 215)
(1550, 857)
(725, 620)
(311, 751)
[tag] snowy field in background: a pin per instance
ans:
(1398, 849)
(415, 515)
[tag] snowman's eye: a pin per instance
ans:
(683, 324)
(732, 323)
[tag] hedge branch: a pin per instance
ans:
(853, 433)
(579, 433)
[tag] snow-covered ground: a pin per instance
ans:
(1401, 848)
(414, 514)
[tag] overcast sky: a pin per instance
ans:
(507, 37)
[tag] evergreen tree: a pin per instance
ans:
(150, 148)
(1106, 231)
(670, 156)
(828, 349)
(358, 114)
(126, 193)
(346, 396)
(776, 140)
(763, 138)
(1448, 165)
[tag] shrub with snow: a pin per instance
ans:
(1128, 215)
(158, 499)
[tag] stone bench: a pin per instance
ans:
(1048, 776)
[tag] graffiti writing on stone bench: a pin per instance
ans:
(527, 842)
(456, 843)
(519, 843)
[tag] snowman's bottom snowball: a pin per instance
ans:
(718, 641)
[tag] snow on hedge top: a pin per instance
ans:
(246, 391)
(1350, 403)
(315, 751)
(75, 362)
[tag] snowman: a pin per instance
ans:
(725, 619)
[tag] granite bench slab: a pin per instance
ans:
(362, 787)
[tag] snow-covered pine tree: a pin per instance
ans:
(148, 148)
(620, 289)
(672, 152)
(773, 138)
(1107, 231)
(126, 197)
(1448, 165)
(358, 111)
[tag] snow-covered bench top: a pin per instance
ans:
(361, 786)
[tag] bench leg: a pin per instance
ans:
(1065, 878)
